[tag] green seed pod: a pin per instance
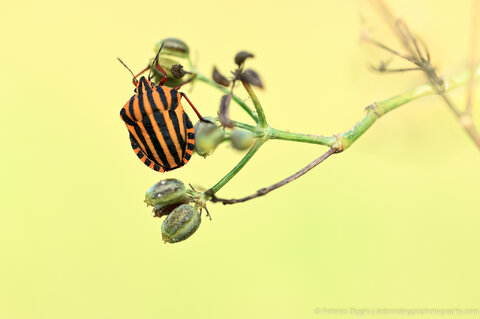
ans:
(242, 139)
(166, 64)
(207, 136)
(173, 46)
(182, 222)
(167, 191)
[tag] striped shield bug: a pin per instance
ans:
(161, 134)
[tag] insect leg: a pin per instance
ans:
(193, 107)
(182, 84)
(159, 68)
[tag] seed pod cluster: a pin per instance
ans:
(169, 197)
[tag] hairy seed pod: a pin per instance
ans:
(173, 46)
(242, 56)
(242, 139)
(252, 77)
(167, 191)
(219, 78)
(180, 224)
(207, 136)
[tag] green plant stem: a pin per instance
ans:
(338, 142)
(256, 102)
(236, 169)
(203, 78)
(374, 111)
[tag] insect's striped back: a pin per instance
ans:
(159, 128)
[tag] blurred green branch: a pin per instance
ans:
(337, 142)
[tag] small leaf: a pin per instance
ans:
(224, 112)
(219, 78)
(242, 56)
(252, 77)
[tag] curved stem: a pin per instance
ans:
(235, 170)
(374, 111)
(258, 107)
(283, 182)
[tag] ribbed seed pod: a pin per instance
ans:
(167, 191)
(180, 224)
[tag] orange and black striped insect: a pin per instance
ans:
(161, 134)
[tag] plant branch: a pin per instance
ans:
(472, 54)
(420, 56)
(235, 170)
(374, 111)
(283, 182)
(337, 142)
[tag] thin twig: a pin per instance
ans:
(283, 182)
(417, 56)
(472, 54)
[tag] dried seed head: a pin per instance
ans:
(173, 46)
(224, 111)
(242, 139)
(167, 191)
(252, 77)
(242, 56)
(177, 71)
(207, 136)
(180, 224)
(219, 78)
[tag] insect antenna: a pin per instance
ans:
(155, 61)
(134, 77)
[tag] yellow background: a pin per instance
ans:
(391, 223)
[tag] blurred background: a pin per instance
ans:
(391, 223)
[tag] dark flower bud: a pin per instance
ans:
(173, 46)
(242, 56)
(207, 136)
(180, 224)
(224, 111)
(252, 77)
(242, 139)
(177, 71)
(219, 78)
(167, 191)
